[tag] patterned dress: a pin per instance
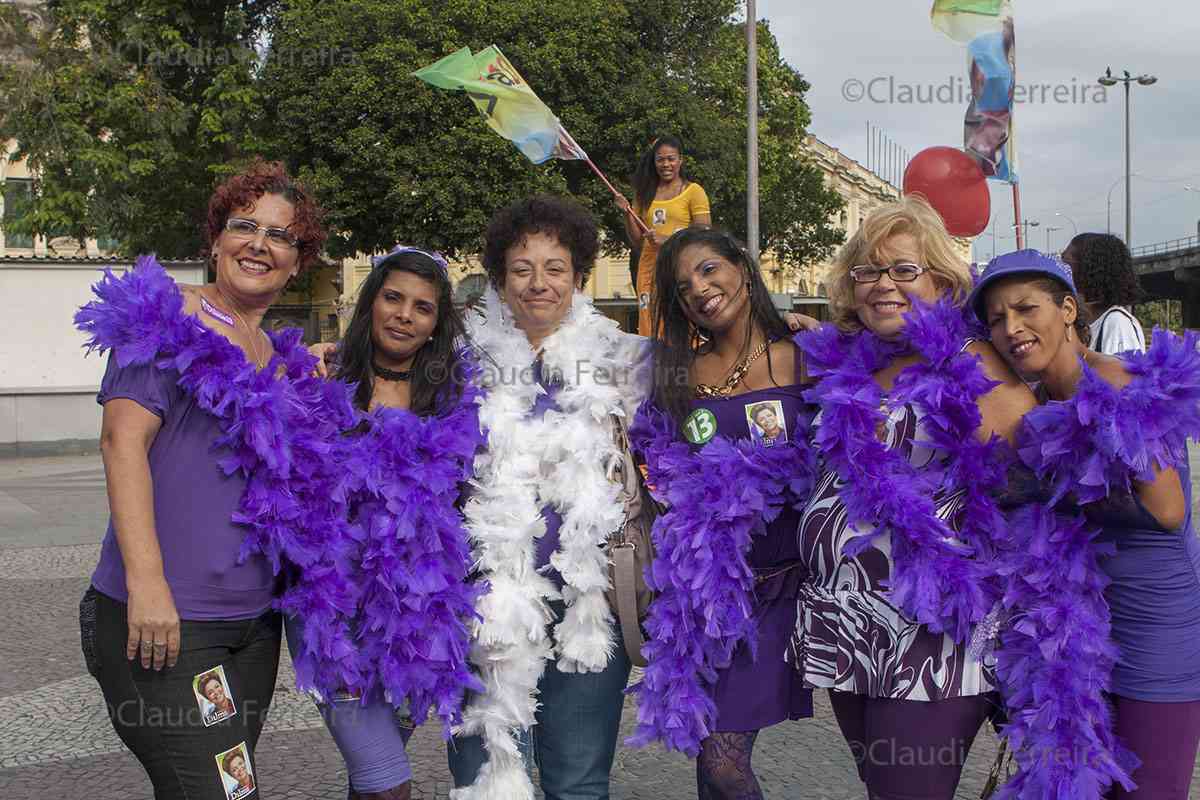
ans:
(849, 636)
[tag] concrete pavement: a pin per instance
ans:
(56, 742)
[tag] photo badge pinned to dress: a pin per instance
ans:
(700, 426)
(767, 424)
(660, 216)
(213, 696)
(236, 772)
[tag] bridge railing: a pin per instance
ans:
(1166, 247)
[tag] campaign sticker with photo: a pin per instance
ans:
(700, 426)
(766, 422)
(213, 696)
(237, 775)
(660, 216)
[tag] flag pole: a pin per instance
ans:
(1017, 215)
(574, 146)
(640, 222)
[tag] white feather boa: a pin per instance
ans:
(557, 460)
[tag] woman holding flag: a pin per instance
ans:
(665, 201)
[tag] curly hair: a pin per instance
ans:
(244, 189)
(913, 215)
(567, 221)
(1105, 276)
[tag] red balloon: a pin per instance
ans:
(954, 185)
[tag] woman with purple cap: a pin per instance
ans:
(1112, 553)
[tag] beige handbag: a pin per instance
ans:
(630, 548)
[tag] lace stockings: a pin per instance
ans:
(723, 770)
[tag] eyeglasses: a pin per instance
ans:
(666, 159)
(902, 272)
(248, 229)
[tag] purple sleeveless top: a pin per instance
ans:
(1154, 598)
(750, 694)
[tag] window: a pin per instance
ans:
(17, 195)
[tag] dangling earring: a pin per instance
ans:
(1068, 331)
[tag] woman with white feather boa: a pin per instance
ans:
(555, 372)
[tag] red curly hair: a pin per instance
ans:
(267, 177)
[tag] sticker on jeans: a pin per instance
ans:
(213, 696)
(766, 422)
(236, 772)
(700, 426)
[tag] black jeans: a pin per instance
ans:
(193, 726)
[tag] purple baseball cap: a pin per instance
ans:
(1020, 262)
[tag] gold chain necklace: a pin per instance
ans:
(258, 359)
(735, 377)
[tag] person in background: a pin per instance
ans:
(666, 200)
(1103, 271)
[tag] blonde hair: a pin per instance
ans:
(913, 215)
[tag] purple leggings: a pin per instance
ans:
(1165, 737)
(369, 737)
(909, 749)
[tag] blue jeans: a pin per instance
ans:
(576, 734)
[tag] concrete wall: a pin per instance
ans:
(47, 385)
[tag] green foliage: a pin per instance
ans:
(396, 160)
(129, 110)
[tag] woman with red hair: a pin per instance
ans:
(209, 431)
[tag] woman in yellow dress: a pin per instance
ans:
(666, 201)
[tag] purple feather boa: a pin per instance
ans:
(718, 499)
(1055, 658)
(1103, 438)
(946, 586)
(280, 426)
(414, 555)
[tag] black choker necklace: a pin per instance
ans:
(391, 374)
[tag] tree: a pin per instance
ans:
(128, 111)
(395, 160)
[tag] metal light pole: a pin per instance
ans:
(1107, 79)
(1022, 231)
(1049, 230)
(752, 128)
(1074, 227)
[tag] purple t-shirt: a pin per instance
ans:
(194, 501)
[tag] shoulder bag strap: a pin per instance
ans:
(623, 553)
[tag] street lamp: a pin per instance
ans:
(1107, 79)
(1108, 222)
(1074, 227)
(1049, 230)
(1027, 224)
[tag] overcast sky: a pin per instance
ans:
(1069, 153)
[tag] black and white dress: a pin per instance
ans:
(849, 636)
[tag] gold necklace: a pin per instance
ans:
(735, 377)
(258, 359)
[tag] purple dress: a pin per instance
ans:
(1154, 597)
(752, 694)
